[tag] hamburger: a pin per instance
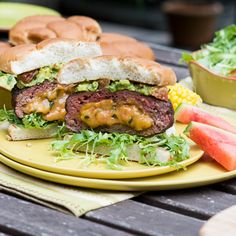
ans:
(119, 112)
(129, 95)
(30, 66)
(110, 106)
(104, 93)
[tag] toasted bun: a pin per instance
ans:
(4, 46)
(16, 133)
(116, 68)
(34, 29)
(23, 58)
(114, 37)
(91, 28)
(122, 45)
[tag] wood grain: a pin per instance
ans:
(201, 203)
(140, 218)
(19, 217)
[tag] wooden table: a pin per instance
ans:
(164, 213)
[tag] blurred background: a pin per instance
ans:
(183, 24)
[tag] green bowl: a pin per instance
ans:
(214, 89)
(10, 13)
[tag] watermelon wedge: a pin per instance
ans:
(217, 143)
(186, 113)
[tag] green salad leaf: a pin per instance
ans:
(10, 116)
(118, 145)
(34, 120)
(29, 121)
(219, 55)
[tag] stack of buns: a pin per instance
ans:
(34, 29)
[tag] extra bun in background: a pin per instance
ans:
(4, 46)
(27, 57)
(34, 29)
(122, 45)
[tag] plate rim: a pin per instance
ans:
(108, 184)
(105, 174)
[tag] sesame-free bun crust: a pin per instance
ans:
(122, 45)
(116, 68)
(34, 29)
(27, 57)
(4, 46)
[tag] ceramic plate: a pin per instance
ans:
(203, 172)
(37, 154)
(10, 13)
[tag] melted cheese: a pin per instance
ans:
(108, 113)
(51, 104)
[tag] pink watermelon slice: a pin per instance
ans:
(186, 113)
(219, 144)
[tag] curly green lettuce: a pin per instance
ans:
(90, 142)
(219, 55)
(28, 121)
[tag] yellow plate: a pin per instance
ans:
(201, 173)
(36, 153)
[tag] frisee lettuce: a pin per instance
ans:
(34, 120)
(117, 145)
(220, 55)
(28, 121)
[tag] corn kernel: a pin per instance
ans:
(179, 94)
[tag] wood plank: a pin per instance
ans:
(19, 217)
(167, 54)
(143, 219)
(3, 234)
(227, 186)
(200, 202)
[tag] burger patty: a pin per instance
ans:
(47, 99)
(146, 115)
(22, 97)
(27, 77)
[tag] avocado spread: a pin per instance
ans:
(116, 86)
(44, 73)
(7, 81)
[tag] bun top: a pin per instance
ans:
(122, 45)
(27, 57)
(34, 29)
(116, 68)
(4, 46)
